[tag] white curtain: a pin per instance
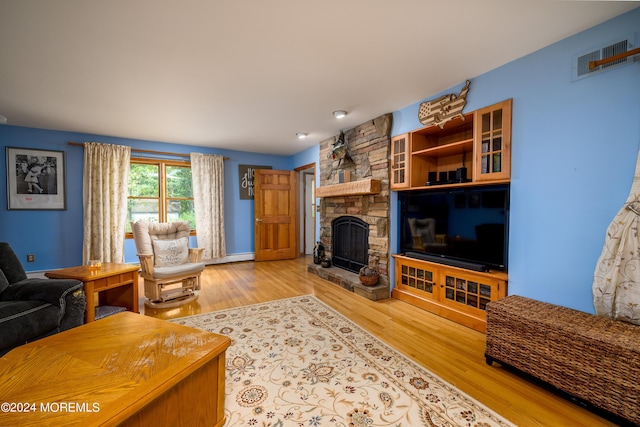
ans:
(616, 283)
(207, 172)
(105, 190)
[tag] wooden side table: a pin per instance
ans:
(116, 285)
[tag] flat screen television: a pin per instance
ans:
(465, 227)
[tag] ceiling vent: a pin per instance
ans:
(581, 61)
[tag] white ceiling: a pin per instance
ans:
(248, 74)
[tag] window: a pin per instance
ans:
(160, 191)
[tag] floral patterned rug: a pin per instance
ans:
(298, 362)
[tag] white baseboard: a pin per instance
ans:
(247, 256)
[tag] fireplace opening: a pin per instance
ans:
(349, 243)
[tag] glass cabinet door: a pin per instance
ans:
(400, 161)
(493, 142)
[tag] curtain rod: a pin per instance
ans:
(137, 150)
(594, 64)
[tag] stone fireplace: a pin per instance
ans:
(341, 206)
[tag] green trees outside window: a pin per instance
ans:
(160, 191)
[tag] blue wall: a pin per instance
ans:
(55, 237)
(575, 145)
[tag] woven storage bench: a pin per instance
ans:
(592, 358)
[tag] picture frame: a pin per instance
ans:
(35, 179)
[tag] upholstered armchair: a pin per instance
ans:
(34, 308)
(170, 269)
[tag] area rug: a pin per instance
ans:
(298, 362)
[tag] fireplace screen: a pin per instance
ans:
(350, 243)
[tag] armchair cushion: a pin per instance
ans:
(144, 232)
(170, 253)
(178, 270)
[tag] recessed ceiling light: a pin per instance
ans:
(301, 135)
(338, 114)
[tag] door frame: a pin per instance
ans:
(306, 200)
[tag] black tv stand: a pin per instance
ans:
(447, 261)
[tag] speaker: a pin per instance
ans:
(461, 174)
(433, 176)
(444, 177)
(452, 176)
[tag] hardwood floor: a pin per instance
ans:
(451, 351)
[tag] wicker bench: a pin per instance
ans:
(593, 358)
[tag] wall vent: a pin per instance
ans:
(581, 61)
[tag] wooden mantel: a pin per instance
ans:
(355, 188)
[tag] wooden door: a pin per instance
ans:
(275, 209)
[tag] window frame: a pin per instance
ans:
(162, 187)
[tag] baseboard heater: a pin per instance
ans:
(447, 261)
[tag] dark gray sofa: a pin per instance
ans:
(34, 308)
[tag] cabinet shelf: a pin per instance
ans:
(460, 147)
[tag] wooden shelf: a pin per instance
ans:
(355, 188)
(459, 147)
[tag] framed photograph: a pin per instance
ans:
(35, 179)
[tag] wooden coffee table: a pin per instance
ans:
(126, 369)
(116, 285)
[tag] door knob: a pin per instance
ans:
(258, 220)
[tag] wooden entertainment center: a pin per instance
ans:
(469, 151)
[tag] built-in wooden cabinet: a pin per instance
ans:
(469, 150)
(455, 293)
(400, 162)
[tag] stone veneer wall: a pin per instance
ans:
(369, 148)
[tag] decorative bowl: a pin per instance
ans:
(368, 277)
